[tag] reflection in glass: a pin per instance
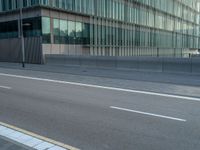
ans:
(71, 32)
(46, 31)
(56, 31)
(63, 32)
(79, 33)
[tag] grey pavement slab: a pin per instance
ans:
(125, 74)
(6, 144)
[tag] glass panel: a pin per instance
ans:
(63, 32)
(32, 27)
(56, 31)
(9, 29)
(86, 33)
(46, 31)
(79, 33)
(71, 32)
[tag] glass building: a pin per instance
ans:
(160, 28)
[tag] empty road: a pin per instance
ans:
(98, 117)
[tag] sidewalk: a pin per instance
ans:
(9, 145)
(125, 74)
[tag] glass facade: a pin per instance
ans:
(46, 30)
(32, 27)
(8, 30)
(70, 32)
(120, 27)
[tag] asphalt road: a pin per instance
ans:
(98, 118)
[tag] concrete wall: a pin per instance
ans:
(176, 65)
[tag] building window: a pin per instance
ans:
(46, 30)
(71, 32)
(32, 27)
(63, 32)
(9, 29)
(56, 31)
(86, 34)
(79, 32)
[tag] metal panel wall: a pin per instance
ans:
(10, 50)
(33, 50)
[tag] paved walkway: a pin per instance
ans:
(8, 145)
(147, 76)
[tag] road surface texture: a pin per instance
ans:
(104, 113)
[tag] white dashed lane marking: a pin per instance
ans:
(146, 113)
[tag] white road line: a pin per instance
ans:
(104, 87)
(146, 113)
(30, 139)
(5, 87)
